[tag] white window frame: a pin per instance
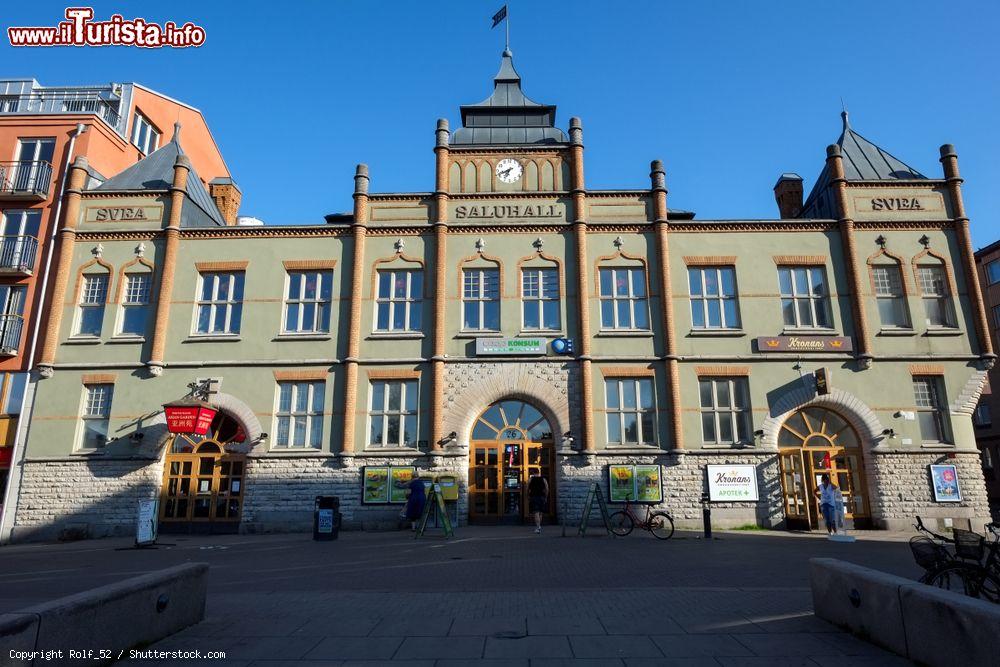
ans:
(816, 301)
(382, 412)
(736, 416)
(313, 415)
(474, 290)
(701, 300)
(412, 302)
(214, 303)
(540, 296)
(85, 302)
(128, 302)
(635, 302)
(323, 277)
(88, 416)
(942, 298)
(619, 411)
(140, 122)
(892, 291)
(934, 404)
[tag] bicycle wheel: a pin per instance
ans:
(967, 579)
(661, 525)
(621, 524)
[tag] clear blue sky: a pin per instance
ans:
(728, 94)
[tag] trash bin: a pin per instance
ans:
(326, 518)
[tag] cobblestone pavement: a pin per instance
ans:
(490, 596)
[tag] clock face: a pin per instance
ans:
(509, 170)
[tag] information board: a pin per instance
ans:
(146, 523)
(732, 483)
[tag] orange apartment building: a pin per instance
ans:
(42, 130)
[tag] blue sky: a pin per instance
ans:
(728, 94)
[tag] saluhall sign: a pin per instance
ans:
(542, 211)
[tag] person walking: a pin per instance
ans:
(415, 500)
(827, 494)
(538, 498)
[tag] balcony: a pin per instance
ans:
(17, 255)
(10, 334)
(68, 100)
(27, 180)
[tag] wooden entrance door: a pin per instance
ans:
(519, 445)
(817, 441)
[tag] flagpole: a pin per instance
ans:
(507, 42)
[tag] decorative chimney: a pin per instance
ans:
(227, 197)
(788, 194)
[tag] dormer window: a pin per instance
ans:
(145, 136)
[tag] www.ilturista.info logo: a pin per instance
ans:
(80, 30)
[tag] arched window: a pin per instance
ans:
(511, 420)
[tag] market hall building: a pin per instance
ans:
(417, 332)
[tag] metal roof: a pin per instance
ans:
(156, 172)
(863, 161)
(508, 117)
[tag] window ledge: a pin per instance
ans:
(479, 334)
(624, 333)
(127, 339)
(87, 452)
(716, 333)
(302, 336)
(83, 340)
(298, 451)
(896, 332)
(939, 446)
(793, 331)
(227, 338)
(396, 451)
(944, 331)
(540, 333)
(395, 335)
(736, 447)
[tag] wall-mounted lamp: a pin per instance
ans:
(136, 436)
(889, 433)
(449, 440)
(567, 440)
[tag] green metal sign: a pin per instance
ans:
(510, 346)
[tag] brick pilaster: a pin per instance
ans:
(359, 227)
(579, 194)
(658, 178)
(838, 184)
(182, 168)
(442, 152)
(64, 262)
(949, 160)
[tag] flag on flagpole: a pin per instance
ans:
(499, 16)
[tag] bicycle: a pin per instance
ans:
(963, 571)
(659, 523)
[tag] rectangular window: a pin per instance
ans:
(8, 103)
(481, 299)
(934, 290)
(393, 413)
(540, 299)
(930, 408)
(11, 317)
(713, 297)
(19, 238)
(993, 272)
(93, 296)
(299, 416)
(96, 415)
(307, 302)
(996, 316)
(16, 385)
(623, 299)
(399, 301)
(135, 303)
(220, 303)
(32, 171)
(144, 136)
(631, 411)
(888, 280)
(982, 417)
(805, 299)
(725, 410)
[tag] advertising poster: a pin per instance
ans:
(145, 529)
(376, 485)
(621, 483)
(945, 481)
(732, 483)
(400, 477)
(648, 485)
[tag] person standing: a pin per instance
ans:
(827, 494)
(416, 500)
(538, 498)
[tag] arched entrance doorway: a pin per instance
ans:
(813, 442)
(511, 440)
(203, 483)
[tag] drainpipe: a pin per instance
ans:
(12, 494)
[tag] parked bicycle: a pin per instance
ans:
(659, 523)
(967, 563)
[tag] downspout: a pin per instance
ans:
(9, 508)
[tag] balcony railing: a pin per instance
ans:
(10, 334)
(63, 101)
(25, 178)
(18, 253)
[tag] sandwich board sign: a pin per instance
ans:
(145, 528)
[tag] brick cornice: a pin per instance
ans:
(926, 369)
(627, 371)
(721, 371)
(306, 264)
(304, 375)
(811, 260)
(709, 260)
(98, 378)
(234, 265)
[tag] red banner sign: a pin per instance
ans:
(189, 418)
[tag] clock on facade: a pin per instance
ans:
(509, 170)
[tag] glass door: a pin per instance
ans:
(484, 482)
(794, 489)
(34, 164)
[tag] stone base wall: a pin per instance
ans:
(84, 498)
